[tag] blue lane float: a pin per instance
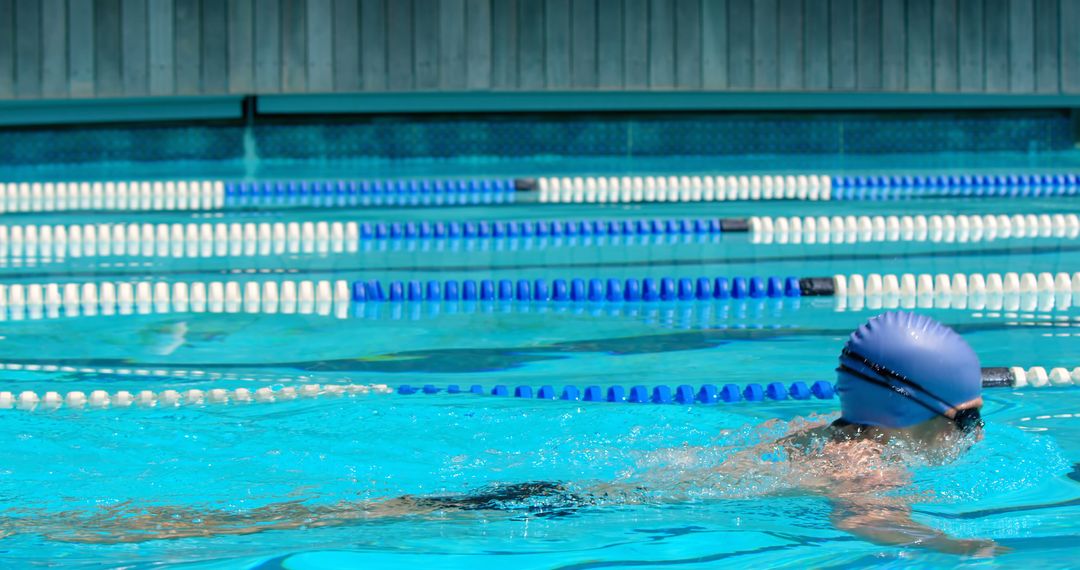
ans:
(593, 290)
(550, 228)
(882, 187)
(683, 394)
(640, 394)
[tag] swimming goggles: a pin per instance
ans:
(966, 420)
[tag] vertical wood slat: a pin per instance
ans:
(7, 48)
(186, 34)
(1021, 46)
(504, 44)
(816, 62)
(970, 45)
(688, 44)
(556, 43)
(133, 42)
(399, 45)
(842, 45)
(320, 46)
(294, 46)
(661, 44)
(946, 71)
(636, 44)
(241, 46)
(530, 29)
(920, 49)
(740, 44)
(452, 45)
(478, 42)
(27, 49)
(766, 69)
(81, 47)
(790, 48)
(214, 48)
(1070, 46)
(996, 46)
(107, 73)
(893, 45)
(346, 56)
(1046, 46)
(267, 35)
(425, 34)
(609, 44)
(373, 48)
(714, 45)
(583, 62)
(54, 67)
(868, 45)
(160, 21)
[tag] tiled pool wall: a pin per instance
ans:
(277, 138)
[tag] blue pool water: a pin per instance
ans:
(92, 488)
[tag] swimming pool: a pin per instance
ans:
(221, 297)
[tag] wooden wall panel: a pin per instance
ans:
(868, 53)
(133, 44)
(214, 48)
(816, 61)
(765, 45)
(452, 45)
(996, 46)
(54, 62)
(241, 46)
(714, 44)
(636, 44)
(893, 45)
(136, 48)
(790, 59)
(28, 49)
(160, 22)
(320, 45)
(583, 27)
(373, 45)
(1021, 46)
(920, 46)
(478, 44)
(187, 34)
(346, 51)
(7, 49)
(609, 44)
(740, 36)
(661, 44)
(80, 47)
(504, 44)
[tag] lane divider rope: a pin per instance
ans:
(100, 399)
(1013, 377)
(934, 228)
(991, 291)
(707, 188)
(216, 194)
(1010, 292)
(122, 195)
(266, 238)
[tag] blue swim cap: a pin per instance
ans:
(941, 369)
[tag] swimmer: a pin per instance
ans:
(905, 382)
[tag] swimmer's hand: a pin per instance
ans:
(876, 520)
(975, 547)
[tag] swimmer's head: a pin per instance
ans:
(901, 369)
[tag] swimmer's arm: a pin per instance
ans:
(892, 525)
